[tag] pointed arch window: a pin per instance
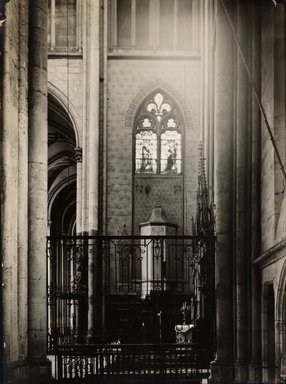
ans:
(158, 137)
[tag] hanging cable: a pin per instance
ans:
(251, 80)
(68, 88)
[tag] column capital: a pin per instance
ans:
(78, 154)
(222, 372)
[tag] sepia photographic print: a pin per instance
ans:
(142, 187)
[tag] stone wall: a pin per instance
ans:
(129, 81)
(165, 191)
(65, 77)
(273, 99)
(267, 154)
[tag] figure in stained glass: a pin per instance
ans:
(171, 152)
(146, 160)
(171, 160)
(146, 152)
(158, 137)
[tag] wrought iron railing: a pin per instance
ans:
(137, 360)
(87, 274)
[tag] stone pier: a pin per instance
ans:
(37, 190)
(241, 186)
(91, 157)
(24, 191)
(222, 367)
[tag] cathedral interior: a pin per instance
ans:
(143, 203)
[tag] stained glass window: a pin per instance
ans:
(62, 25)
(124, 23)
(185, 19)
(142, 23)
(155, 24)
(166, 23)
(65, 23)
(158, 138)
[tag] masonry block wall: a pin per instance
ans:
(273, 99)
(269, 257)
(166, 191)
(129, 81)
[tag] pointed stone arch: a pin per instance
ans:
(149, 88)
(281, 323)
(67, 106)
(190, 158)
(63, 139)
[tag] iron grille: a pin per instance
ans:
(89, 279)
(133, 360)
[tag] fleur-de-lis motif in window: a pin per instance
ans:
(158, 107)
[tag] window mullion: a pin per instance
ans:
(156, 13)
(158, 149)
(78, 23)
(114, 23)
(133, 23)
(175, 31)
(53, 25)
(196, 26)
(151, 24)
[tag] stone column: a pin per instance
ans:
(78, 157)
(254, 375)
(242, 243)
(208, 86)
(279, 181)
(93, 113)
(9, 179)
(37, 190)
(222, 367)
(92, 158)
(23, 181)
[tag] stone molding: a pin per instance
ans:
(67, 106)
(271, 255)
